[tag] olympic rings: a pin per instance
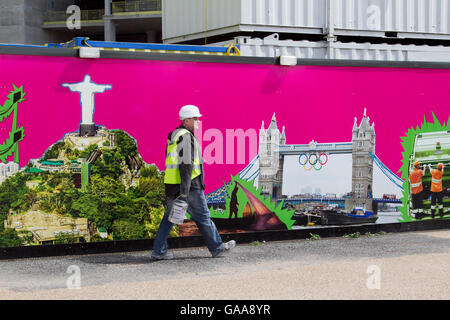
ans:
(310, 168)
(313, 161)
(318, 168)
(299, 159)
(326, 157)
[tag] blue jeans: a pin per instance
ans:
(198, 209)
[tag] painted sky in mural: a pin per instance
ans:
(335, 178)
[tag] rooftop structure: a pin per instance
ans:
(45, 21)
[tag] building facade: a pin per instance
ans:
(37, 22)
(200, 21)
(7, 170)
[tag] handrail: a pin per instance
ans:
(62, 16)
(117, 8)
(136, 6)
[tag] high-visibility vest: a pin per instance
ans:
(172, 173)
(436, 180)
(415, 178)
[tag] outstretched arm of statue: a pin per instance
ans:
(103, 88)
(72, 86)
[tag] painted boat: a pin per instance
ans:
(341, 217)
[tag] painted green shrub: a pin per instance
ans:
(283, 214)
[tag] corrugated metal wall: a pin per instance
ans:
(290, 13)
(272, 47)
(409, 18)
(404, 16)
(190, 18)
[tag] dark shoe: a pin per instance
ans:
(227, 247)
(167, 256)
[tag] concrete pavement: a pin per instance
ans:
(393, 266)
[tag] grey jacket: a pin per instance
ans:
(185, 142)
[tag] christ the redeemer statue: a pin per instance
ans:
(87, 89)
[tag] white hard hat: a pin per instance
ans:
(189, 111)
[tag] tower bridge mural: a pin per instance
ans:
(267, 168)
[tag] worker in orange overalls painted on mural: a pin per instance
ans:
(415, 180)
(437, 192)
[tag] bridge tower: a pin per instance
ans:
(270, 162)
(363, 142)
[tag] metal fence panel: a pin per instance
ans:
(193, 17)
(187, 19)
(272, 47)
(403, 16)
(288, 13)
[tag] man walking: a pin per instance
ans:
(415, 180)
(437, 192)
(184, 180)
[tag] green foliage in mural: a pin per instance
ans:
(64, 238)
(10, 238)
(408, 146)
(283, 214)
(151, 226)
(128, 212)
(53, 151)
(127, 229)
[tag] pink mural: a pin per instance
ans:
(312, 102)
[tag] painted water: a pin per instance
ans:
(383, 218)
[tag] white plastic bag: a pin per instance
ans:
(178, 212)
